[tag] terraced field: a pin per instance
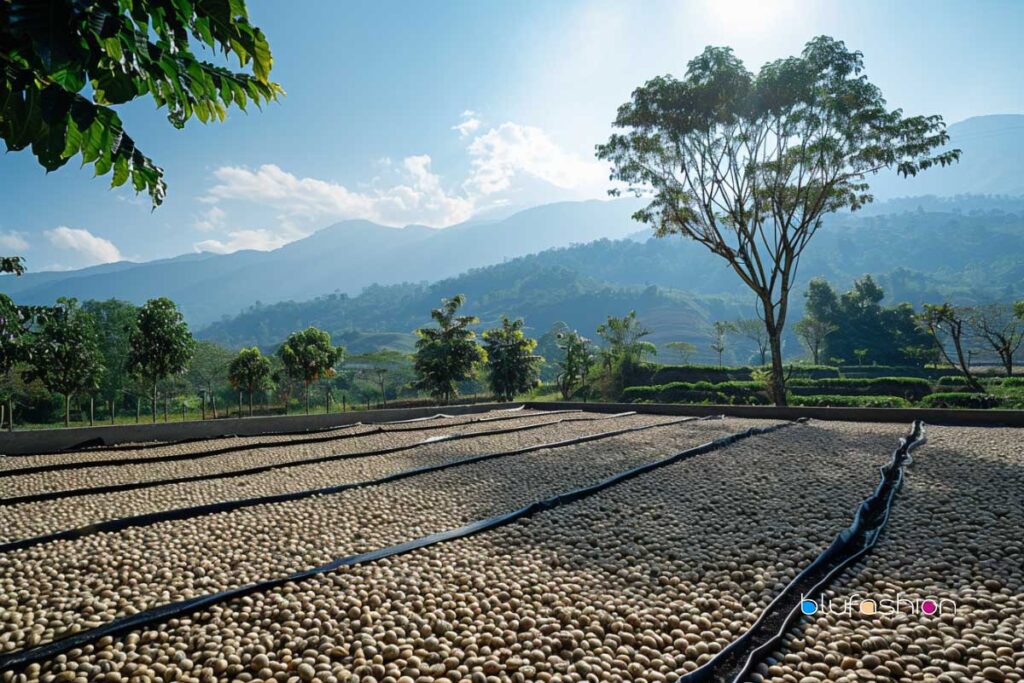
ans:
(509, 546)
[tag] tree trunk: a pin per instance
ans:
(250, 402)
(777, 381)
(307, 398)
(1008, 364)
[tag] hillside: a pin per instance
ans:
(677, 289)
(345, 257)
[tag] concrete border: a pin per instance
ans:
(34, 441)
(55, 440)
(935, 416)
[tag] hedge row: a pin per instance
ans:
(911, 388)
(667, 374)
(833, 400)
(960, 399)
(752, 393)
(869, 371)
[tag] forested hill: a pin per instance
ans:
(677, 288)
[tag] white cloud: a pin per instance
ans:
(93, 250)
(503, 153)
(260, 240)
(418, 197)
(12, 241)
(470, 124)
(212, 219)
(503, 160)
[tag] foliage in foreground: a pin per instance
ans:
(65, 66)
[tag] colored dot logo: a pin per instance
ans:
(929, 606)
(868, 607)
(808, 606)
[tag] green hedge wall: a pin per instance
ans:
(960, 399)
(911, 388)
(825, 400)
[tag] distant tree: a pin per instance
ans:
(861, 355)
(748, 165)
(813, 333)
(948, 325)
(309, 356)
(447, 353)
(753, 330)
(249, 370)
(623, 338)
(382, 364)
(14, 344)
(862, 322)
(208, 369)
(114, 321)
(513, 367)
(720, 329)
(65, 353)
(160, 345)
(684, 349)
(575, 364)
(998, 327)
(67, 64)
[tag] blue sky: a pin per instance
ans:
(432, 112)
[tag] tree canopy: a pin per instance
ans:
(447, 353)
(309, 356)
(160, 345)
(249, 370)
(65, 353)
(512, 366)
(65, 65)
(748, 164)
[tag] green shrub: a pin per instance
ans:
(912, 388)
(833, 400)
(736, 392)
(1013, 383)
(638, 394)
(959, 399)
(870, 371)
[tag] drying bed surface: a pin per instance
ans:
(285, 452)
(82, 583)
(157, 450)
(642, 581)
(954, 537)
(31, 519)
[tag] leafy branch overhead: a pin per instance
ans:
(66, 64)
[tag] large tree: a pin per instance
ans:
(447, 353)
(309, 356)
(65, 354)
(114, 321)
(160, 345)
(949, 326)
(208, 369)
(999, 327)
(748, 164)
(512, 365)
(250, 370)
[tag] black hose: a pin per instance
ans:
(736, 662)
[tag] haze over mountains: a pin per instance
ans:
(920, 248)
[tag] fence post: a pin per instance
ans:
(239, 404)
(10, 414)
(202, 397)
(92, 409)
(113, 412)
(327, 408)
(138, 410)
(213, 404)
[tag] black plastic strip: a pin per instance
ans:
(134, 485)
(238, 448)
(736, 662)
(22, 658)
(148, 519)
